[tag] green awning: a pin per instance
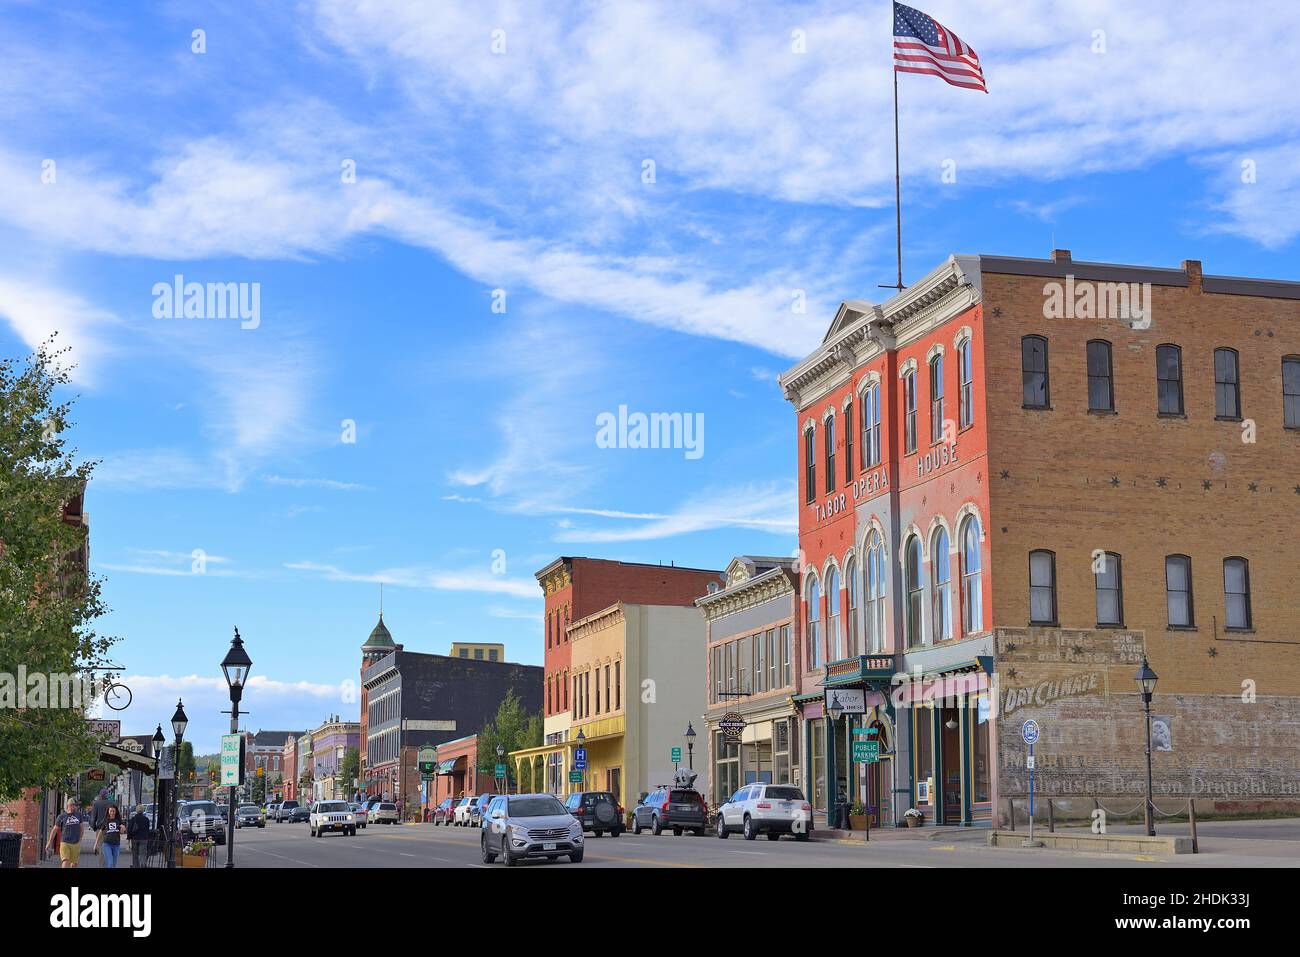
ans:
(444, 767)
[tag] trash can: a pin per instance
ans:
(11, 848)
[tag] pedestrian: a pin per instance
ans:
(99, 814)
(139, 832)
(67, 830)
(110, 836)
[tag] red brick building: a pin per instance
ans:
(1008, 478)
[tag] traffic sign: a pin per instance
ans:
(575, 777)
(1029, 731)
(677, 756)
(232, 760)
(580, 758)
(865, 752)
(501, 770)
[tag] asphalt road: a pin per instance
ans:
(423, 845)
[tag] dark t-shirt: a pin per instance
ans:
(69, 826)
(112, 831)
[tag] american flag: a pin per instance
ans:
(924, 45)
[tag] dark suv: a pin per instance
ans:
(681, 809)
(597, 811)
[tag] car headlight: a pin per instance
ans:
(349, 817)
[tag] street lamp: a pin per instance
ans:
(689, 735)
(838, 809)
(179, 724)
(582, 741)
(157, 743)
(1146, 681)
(501, 753)
(235, 666)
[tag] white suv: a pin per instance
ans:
(771, 809)
(332, 816)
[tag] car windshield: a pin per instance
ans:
(544, 806)
(289, 804)
(199, 807)
(784, 794)
(331, 806)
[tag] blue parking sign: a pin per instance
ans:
(1029, 731)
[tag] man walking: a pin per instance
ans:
(139, 832)
(68, 826)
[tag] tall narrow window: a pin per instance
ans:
(942, 590)
(1178, 590)
(1227, 385)
(871, 426)
(607, 688)
(833, 615)
(972, 591)
(813, 634)
(909, 413)
(810, 464)
(1291, 392)
(787, 656)
(830, 452)
(875, 613)
(848, 443)
(912, 582)
(618, 684)
(1101, 382)
(1110, 593)
(853, 584)
(1169, 380)
(1042, 587)
(773, 661)
(1236, 593)
(936, 399)
(966, 385)
(760, 664)
(1033, 372)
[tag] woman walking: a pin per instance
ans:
(111, 836)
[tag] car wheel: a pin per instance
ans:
(802, 836)
(488, 856)
(722, 831)
(616, 832)
(507, 858)
(655, 827)
(576, 856)
(773, 836)
(699, 832)
(677, 832)
(750, 831)
(636, 825)
(597, 833)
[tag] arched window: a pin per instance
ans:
(871, 426)
(830, 452)
(965, 385)
(875, 593)
(909, 413)
(1033, 372)
(813, 633)
(848, 442)
(1042, 587)
(833, 615)
(912, 582)
(1169, 380)
(936, 398)
(810, 464)
(1110, 591)
(941, 617)
(972, 590)
(1236, 593)
(1227, 385)
(852, 625)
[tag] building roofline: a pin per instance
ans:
(565, 559)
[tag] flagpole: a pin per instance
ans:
(898, 203)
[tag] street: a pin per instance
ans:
(1259, 844)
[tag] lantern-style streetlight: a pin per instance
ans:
(1146, 681)
(689, 735)
(235, 666)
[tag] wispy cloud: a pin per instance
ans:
(36, 311)
(767, 508)
(331, 484)
(436, 579)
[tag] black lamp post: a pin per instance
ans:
(235, 667)
(505, 778)
(1146, 681)
(582, 741)
(179, 724)
(840, 809)
(157, 742)
(689, 735)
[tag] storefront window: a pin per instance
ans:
(818, 759)
(980, 789)
(781, 751)
(726, 774)
(925, 751)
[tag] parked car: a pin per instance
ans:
(299, 814)
(771, 809)
(201, 819)
(385, 812)
(442, 813)
(597, 811)
(476, 810)
(460, 816)
(284, 811)
(271, 810)
(249, 815)
(332, 816)
(362, 813)
(670, 808)
(521, 826)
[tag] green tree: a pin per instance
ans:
(48, 599)
(514, 729)
(350, 769)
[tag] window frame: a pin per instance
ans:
(1235, 384)
(936, 399)
(810, 463)
(1045, 372)
(941, 588)
(1118, 589)
(1109, 376)
(1051, 586)
(1190, 624)
(909, 412)
(965, 385)
(972, 582)
(1294, 422)
(914, 595)
(1177, 351)
(1250, 614)
(828, 428)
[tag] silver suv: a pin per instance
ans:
(771, 809)
(520, 826)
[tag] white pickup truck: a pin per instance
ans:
(332, 816)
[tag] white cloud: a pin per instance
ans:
(766, 507)
(435, 579)
(36, 311)
(331, 484)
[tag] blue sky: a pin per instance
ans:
(523, 170)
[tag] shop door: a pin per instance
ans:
(950, 765)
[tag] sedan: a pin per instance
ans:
(517, 827)
(299, 814)
(250, 815)
(442, 813)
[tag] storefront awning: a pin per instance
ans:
(447, 767)
(947, 688)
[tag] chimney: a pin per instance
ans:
(1060, 255)
(1192, 267)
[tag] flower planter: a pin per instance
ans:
(913, 821)
(194, 860)
(857, 822)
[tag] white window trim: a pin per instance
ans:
(906, 367)
(963, 336)
(934, 350)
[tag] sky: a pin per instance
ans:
(474, 229)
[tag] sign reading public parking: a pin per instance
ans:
(580, 758)
(865, 752)
(501, 770)
(677, 756)
(1029, 731)
(232, 760)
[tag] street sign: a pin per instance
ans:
(732, 725)
(865, 752)
(109, 730)
(575, 777)
(95, 774)
(501, 770)
(167, 764)
(232, 760)
(428, 760)
(580, 758)
(1029, 731)
(677, 755)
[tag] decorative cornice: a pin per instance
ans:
(772, 584)
(613, 615)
